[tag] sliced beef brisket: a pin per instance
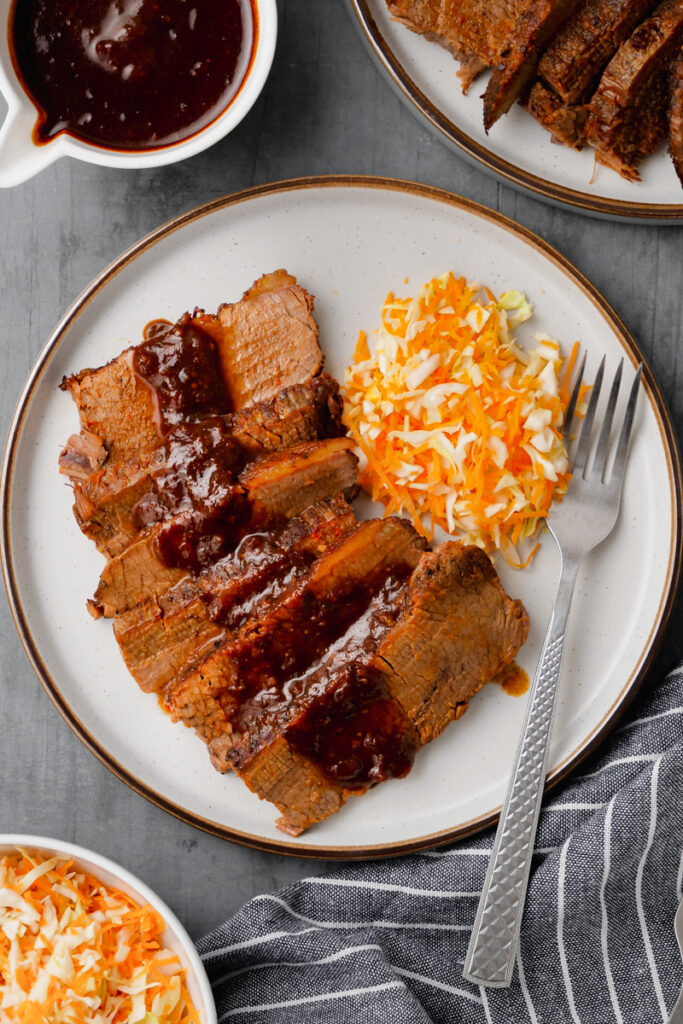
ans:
(517, 59)
(571, 65)
(252, 669)
(457, 630)
(268, 340)
(392, 683)
(161, 637)
(473, 30)
(576, 57)
(566, 122)
(675, 115)
(105, 506)
(170, 550)
(627, 114)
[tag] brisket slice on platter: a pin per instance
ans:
(566, 122)
(162, 636)
(574, 60)
(297, 631)
(518, 58)
(628, 112)
(351, 670)
(473, 30)
(181, 373)
(268, 340)
(675, 115)
(393, 682)
(301, 412)
(280, 486)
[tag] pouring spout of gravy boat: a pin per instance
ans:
(20, 158)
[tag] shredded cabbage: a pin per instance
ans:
(73, 951)
(458, 426)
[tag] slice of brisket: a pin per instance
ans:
(473, 30)
(456, 632)
(675, 114)
(350, 738)
(627, 114)
(268, 340)
(201, 366)
(264, 497)
(309, 410)
(115, 406)
(392, 683)
(225, 695)
(566, 122)
(105, 504)
(160, 638)
(516, 62)
(282, 484)
(576, 57)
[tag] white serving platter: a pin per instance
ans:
(349, 241)
(517, 148)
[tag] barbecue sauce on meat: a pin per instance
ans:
(127, 74)
(195, 494)
(314, 684)
(181, 364)
(359, 736)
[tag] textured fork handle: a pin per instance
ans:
(493, 944)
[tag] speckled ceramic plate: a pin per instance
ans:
(348, 240)
(517, 148)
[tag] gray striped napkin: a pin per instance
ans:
(384, 941)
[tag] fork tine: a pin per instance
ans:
(600, 462)
(573, 399)
(584, 441)
(617, 474)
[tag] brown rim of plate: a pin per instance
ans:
(661, 213)
(632, 353)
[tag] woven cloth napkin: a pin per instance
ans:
(384, 941)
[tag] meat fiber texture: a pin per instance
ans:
(473, 30)
(574, 60)
(103, 505)
(518, 58)
(452, 630)
(457, 630)
(627, 114)
(270, 332)
(268, 340)
(161, 637)
(278, 487)
(675, 115)
(569, 69)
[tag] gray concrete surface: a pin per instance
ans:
(325, 109)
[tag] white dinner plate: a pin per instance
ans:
(349, 241)
(517, 148)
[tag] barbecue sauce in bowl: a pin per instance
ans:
(130, 74)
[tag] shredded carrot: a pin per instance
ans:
(74, 951)
(458, 426)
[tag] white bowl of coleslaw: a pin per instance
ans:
(91, 937)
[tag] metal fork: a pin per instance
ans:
(584, 517)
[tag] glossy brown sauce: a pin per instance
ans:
(311, 681)
(128, 74)
(194, 493)
(181, 365)
(513, 679)
(359, 736)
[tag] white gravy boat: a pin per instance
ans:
(21, 157)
